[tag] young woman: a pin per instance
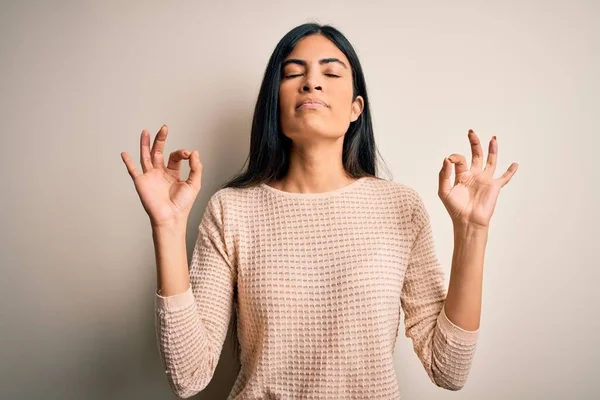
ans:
(316, 255)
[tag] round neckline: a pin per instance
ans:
(317, 195)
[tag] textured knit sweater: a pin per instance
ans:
(318, 282)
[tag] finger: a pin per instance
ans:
(131, 168)
(174, 165)
(195, 178)
(158, 159)
(476, 150)
(507, 176)
(445, 174)
(145, 151)
(460, 163)
(492, 156)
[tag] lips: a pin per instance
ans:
(311, 103)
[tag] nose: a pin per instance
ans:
(307, 87)
(311, 82)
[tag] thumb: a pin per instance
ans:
(195, 177)
(445, 174)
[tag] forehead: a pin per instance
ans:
(312, 48)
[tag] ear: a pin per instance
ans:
(357, 108)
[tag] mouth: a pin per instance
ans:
(311, 104)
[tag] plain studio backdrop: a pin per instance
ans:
(80, 80)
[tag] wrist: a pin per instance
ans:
(469, 230)
(171, 227)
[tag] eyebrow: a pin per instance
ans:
(321, 62)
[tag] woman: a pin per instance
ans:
(316, 255)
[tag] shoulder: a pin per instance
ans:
(405, 200)
(404, 196)
(230, 202)
(232, 195)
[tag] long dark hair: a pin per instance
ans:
(270, 149)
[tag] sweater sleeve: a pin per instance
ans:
(191, 327)
(444, 349)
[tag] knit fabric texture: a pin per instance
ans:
(318, 282)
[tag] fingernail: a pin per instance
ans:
(470, 130)
(494, 137)
(185, 153)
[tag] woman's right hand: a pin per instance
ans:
(166, 199)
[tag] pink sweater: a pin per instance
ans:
(321, 281)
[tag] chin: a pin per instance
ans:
(320, 130)
(310, 126)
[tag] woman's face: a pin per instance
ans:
(317, 70)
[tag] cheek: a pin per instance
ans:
(343, 97)
(285, 100)
(343, 107)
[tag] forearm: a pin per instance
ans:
(172, 275)
(463, 300)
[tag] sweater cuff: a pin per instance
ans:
(176, 301)
(449, 329)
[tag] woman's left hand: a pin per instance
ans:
(472, 199)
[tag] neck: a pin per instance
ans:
(315, 169)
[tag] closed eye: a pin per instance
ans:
(295, 75)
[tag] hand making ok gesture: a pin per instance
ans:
(472, 198)
(166, 198)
